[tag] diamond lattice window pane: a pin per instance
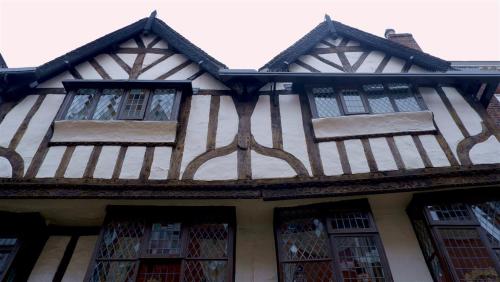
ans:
(208, 241)
(121, 240)
(303, 239)
(107, 107)
(326, 103)
(380, 103)
(81, 104)
(113, 271)
(135, 104)
(308, 272)
(353, 102)
(350, 220)
(205, 271)
(403, 98)
(488, 215)
(162, 104)
(165, 239)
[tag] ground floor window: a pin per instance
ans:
(460, 238)
(165, 245)
(329, 242)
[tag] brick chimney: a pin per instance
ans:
(405, 39)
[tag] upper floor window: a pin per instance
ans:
(367, 99)
(330, 243)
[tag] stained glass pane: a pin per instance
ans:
(135, 104)
(403, 98)
(113, 271)
(165, 239)
(350, 220)
(81, 104)
(303, 239)
(308, 272)
(326, 103)
(359, 259)
(468, 255)
(353, 102)
(449, 212)
(208, 241)
(159, 272)
(162, 104)
(107, 107)
(488, 215)
(121, 240)
(205, 271)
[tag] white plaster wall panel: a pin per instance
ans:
(48, 261)
(78, 265)
(106, 162)
(111, 67)
(409, 152)
(395, 65)
(146, 39)
(317, 64)
(469, 117)
(353, 57)
(129, 59)
(269, 167)
(87, 71)
(129, 44)
(14, 118)
(161, 44)
(442, 118)
(219, 168)
(163, 67)
(352, 43)
(56, 81)
(294, 139)
(434, 151)
(279, 86)
(321, 45)
(371, 62)
(5, 168)
(297, 68)
(332, 57)
(38, 127)
(356, 156)
(197, 129)
(51, 162)
(335, 41)
(132, 163)
(161, 163)
(382, 154)
(185, 72)
(207, 81)
(330, 158)
(227, 122)
(487, 152)
(261, 122)
(78, 163)
(149, 58)
(416, 69)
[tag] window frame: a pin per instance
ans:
(187, 216)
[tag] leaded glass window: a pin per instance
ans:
(134, 104)
(107, 107)
(403, 98)
(326, 102)
(353, 101)
(7, 251)
(81, 104)
(162, 103)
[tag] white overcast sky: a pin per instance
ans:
(243, 33)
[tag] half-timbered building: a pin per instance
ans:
(347, 157)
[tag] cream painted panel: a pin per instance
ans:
(161, 163)
(371, 62)
(434, 151)
(398, 238)
(353, 57)
(395, 65)
(335, 41)
(382, 154)
(297, 68)
(146, 39)
(55, 82)
(197, 129)
(129, 59)
(5, 168)
(185, 72)
(469, 117)
(51, 162)
(356, 156)
(317, 64)
(78, 265)
(219, 168)
(48, 261)
(106, 162)
(261, 122)
(294, 139)
(332, 57)
(129, 44)
(442, 118)
(206, 81)
(111, 67)
(227, 122)
(408, 151)
(163, 67)
(14, 118)
(330, 158)
(38, 127)
(269, 167)
(78, 162)
(132, 163)
(487, 152)
(416, 69)
(149, 58)
(87, 71)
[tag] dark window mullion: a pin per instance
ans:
(450, 269)
(66, 105)
(391, 98)
(184, 244)
(95, 101)
(122, 103)
(337, 272)
(489, 248)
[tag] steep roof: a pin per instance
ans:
(335, 28)
(3, 64)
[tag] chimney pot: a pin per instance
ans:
(388, 32)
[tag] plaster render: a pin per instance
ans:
(149, 58)
(353, 57)
(111, 67)
(161, 44)
(330, 158)
(163, 67)
(434, 151)
(227, 122)
(185, 72)
(106, 162)
(297, 68)
(335, 41)
(5, 168)
(219, 168)
(416, 69)
(161, 163)
(382, 154)
(14, 118)
(395, 65)
(408, 151)
(361, 125)
(129, 59)
(78, 162)
(356, 156)
(146, 39)
(294, 139)
(80, 259)
(129, 44)
(56, 81)
(469, 117)
(206, 81)
(121, 131)
(371, 62)
(261, 122)
(87, 71)
(317, 64)
(132, 163)
(487, 152)
(332, 57)
(51, 162)
(269, 167)
(46, 265)
(352, 43)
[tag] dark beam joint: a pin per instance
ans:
(331, 26)
(488, 93)
(149, 23)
